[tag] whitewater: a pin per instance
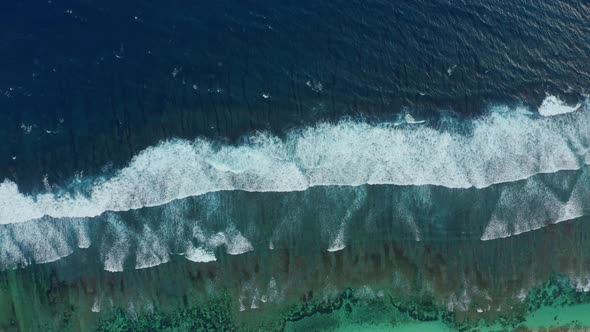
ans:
(505, 145)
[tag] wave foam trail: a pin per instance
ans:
(326, 218)
(503, 146)
(554, 106)
(536, 204)
(41, 242)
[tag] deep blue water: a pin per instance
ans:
(89, 83)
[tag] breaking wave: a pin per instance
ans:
(506, 145)
(324, 218)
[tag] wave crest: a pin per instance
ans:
(500, 147)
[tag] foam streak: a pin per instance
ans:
(500, 147)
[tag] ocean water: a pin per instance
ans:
(294, 165)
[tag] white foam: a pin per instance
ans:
(115, 252)
(273, 293)
(200, 255)
(503, 146)
(338, 242)
(535, 205)
(255, 299)
(151, 250)
(581, 284)
(96, 305)
(80, 228)
(41, 242)
(11, 255)
(552, 105)
(411, 120)
(234, 242)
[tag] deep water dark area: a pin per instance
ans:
(87, 84)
